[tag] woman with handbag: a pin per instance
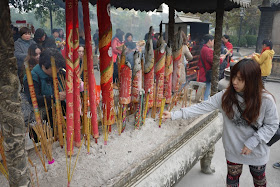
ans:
(206, 61)
(242, 144)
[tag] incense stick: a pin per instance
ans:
(146, 106)
(161, 111)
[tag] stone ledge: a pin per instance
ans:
(130, 177)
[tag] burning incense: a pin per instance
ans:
(159, 68)
(91, 79)
(146, 106)
(149, 69)
(154, 110)
(47, 110)
(161, 111)
(57, 101)
(106, 62)
(69, 74)
(76, 78)
(168, 74)
(54, 119)
(32, 93)
(177, 61)
(45, 136)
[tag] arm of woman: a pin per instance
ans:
(269, 126)
(215, 102)
(260, 59)
(19, 53)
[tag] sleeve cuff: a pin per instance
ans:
(176, 115)
(252, 142)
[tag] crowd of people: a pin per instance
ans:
(243, 145)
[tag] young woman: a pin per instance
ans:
(265, 59)
(242, 144)
(33, 55)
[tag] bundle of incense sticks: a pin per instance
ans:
(118, 117)
(45, 136)
(37, 151)
(3, 167)
(105, 128)
(68, 163)
(31, 163)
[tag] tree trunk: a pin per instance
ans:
(11, 118)
(266, 23)
(51, 20)
(217, 46)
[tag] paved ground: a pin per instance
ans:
(197, 179)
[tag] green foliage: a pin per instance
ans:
(234, 40)
(251, 40)
(42, 9)
(231, 24)
(243, 41)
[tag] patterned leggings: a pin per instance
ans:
(235, 170)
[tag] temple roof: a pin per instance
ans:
(193, 6)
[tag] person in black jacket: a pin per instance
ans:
(41, 38)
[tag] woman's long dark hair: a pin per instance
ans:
(250, 72)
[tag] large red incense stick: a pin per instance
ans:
(168, 75)
(136, 78)
(91, 78)
(177, 61)
(69, 73)
(106, 62)
(149, 69)
(76, 81)
(159, 70)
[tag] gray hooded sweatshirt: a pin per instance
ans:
(236, 132)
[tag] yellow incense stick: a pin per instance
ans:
(57, 103)
(146, 107)
(161, 110)
(47, 111)
(154, 109)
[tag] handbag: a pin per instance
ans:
(276, 136)
(208, 73)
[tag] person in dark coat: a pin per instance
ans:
(41, 38)
(130, 48)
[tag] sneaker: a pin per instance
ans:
(276, 165)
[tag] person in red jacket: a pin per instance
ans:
(228, 45)
(116, 43)
(206, 56)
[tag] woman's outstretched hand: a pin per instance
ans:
(166, 115)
